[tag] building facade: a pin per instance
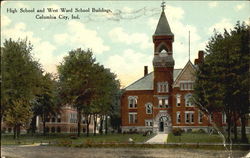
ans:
(160, 100)
(64, 122)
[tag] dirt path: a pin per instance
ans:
(64, 152)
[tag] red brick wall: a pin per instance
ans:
(143, 98)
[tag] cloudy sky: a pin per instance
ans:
(120, 39)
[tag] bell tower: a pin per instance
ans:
(163, 61)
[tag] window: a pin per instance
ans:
(211, 117)
(53, 119)
(162, 87)
(53, 130)
(224, 117)
(186, 85)
(178, 100)
(73, 118)
(200, 117)
(58, 130)
(132, 116)
(163, 102)
(58, 118)
(149, 123)
(189, 117)
(188, 100)
(149, 108)
(178, 117)
(132, 101)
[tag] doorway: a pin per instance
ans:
(161, 125)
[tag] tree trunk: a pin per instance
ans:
(243, 129)
(44, 124)
(235, 127)
(229, 128)
(101, 125)
(95, 122)
(106, 124)
(18, 130)
(15, 131)
(79, 119)
(88, 122)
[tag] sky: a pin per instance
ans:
(120, 36)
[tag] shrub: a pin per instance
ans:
(146, 133)
(189, 130)
(73, 137)
(201, 131)
(177, 131)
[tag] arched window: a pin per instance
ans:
(149, 108)
(188, 100)
(132, 101)
(178, 100)
(59, 118)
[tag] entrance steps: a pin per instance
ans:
(160, 138)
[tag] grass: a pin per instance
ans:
(197, 138)
(194, 138)
(55, 138)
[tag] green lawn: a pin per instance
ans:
(194, 138)
(110, 138)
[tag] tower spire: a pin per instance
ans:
(188, 45)
(163, 5)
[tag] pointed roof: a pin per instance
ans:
(189, 64)
(163, 27)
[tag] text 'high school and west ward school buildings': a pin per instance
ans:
(160, 101)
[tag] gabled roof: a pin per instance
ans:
(163, 27)
(147, 82)
(189, 63)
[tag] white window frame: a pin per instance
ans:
(149, 107)
(178, 117)
(189, 117)
(211, 117)
(149, 123)
(178, 100)
(200, 117)
(132, 100)
(186, 85)
(134, 117)
(160, 102)
(188, 103)
(162, 87)
(224, 118)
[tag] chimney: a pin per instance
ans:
(201, 55)
(200, 58)
(145, 70)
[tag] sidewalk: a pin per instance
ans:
(158, 139)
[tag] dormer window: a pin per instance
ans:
(162, 87)
(132, 101)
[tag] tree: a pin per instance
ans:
(222, 80)
(46, 103)
(106, 90)
(20, 73)
(75, 74)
